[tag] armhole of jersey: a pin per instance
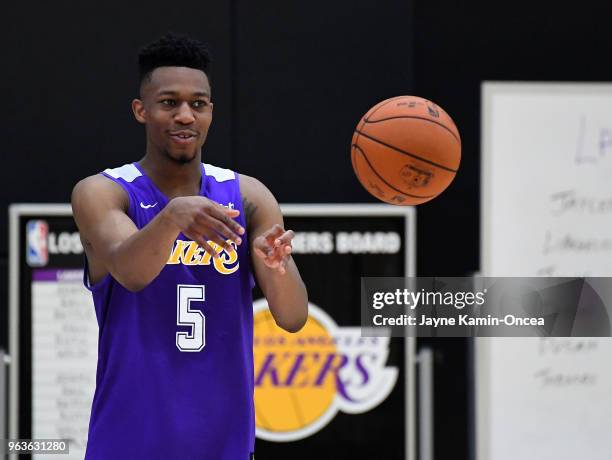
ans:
(131, 211)
(242, 217)
(244, 223)
(87, 283)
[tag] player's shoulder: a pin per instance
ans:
(258, 202)
(98, 188)
(253, 188)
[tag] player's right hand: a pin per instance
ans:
(202, 220)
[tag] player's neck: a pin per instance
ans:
(172, 178)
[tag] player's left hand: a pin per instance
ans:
(274, 248)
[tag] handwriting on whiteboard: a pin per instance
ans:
(550, 378)
(569, 201)
(564, 346)
(571, 243)
(592, 147)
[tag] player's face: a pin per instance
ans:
(177, 111)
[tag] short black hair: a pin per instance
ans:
(172, 50)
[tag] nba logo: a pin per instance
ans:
(37, 253)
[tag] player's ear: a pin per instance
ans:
(139, 110)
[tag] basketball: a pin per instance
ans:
(406, 150)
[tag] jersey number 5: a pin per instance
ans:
(185, 316)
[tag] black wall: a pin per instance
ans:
(290, 81)
(306, 74)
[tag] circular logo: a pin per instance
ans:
(302, 380)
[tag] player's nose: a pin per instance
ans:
(184, 115)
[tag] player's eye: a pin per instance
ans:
(200, 104)
(170, 102)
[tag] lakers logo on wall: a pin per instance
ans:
(302, 380)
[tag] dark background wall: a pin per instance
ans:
(290, 81)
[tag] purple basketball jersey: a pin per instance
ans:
(175, 360)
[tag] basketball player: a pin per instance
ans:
(171, 246)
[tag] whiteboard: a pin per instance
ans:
(546, 211)
(64, 353)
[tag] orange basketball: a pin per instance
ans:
(406, 150)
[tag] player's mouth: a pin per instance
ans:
(183, 137)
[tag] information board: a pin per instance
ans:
(360, 402)
(53, 333)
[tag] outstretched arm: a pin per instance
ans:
(275, 270)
